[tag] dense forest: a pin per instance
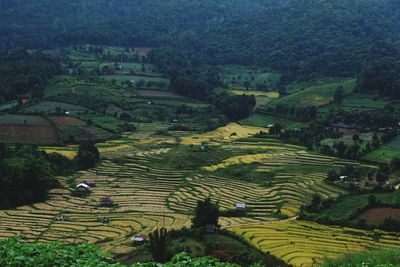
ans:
(21, 73)
(293, 37)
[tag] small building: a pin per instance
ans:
(62, 218)
(139, 239)
(343, 178)
(82, 187)
(241, 207)
(90, 183)
(397, 187)
(106, 201)
(24, 101)
(270, 126)
(211, 229)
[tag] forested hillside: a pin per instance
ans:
(293, 37)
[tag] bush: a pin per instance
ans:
(88, 155)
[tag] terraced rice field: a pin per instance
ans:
(304, 243)
(148, 195)
(296, 179)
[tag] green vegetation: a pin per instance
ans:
(345, 210)
(316, 95)
(287, 36)
(88, 155)
(23, 73)
(312, 85)
(26, 176)
(264, 120)
(237, 76)
(383, 154)
(246, 172)
(15, 253)
(373, 258)
(381, 76)
(193, 156)
(206, 213)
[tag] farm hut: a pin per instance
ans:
(90, 183)
(106, 201)
(211, 229)
(270, 126)
(82, 187)
(241, 207)
(139, 239)
(397, 187)
(343, 178)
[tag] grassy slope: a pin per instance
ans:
(263, 120)
(347, 205)
(317, 95)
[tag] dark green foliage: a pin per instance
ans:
(372, 201)
(59, 163)
(395, 164)
(88, 155)
(16, 253)
(332, 176)
(370, 258)
(206, 213)
(234, 107)
(382, 77)
(21, 72)
(338, 95)
(346, 210)
(315, 203)
(246, 172)
(276, 129)
(292, 36)
(25, 177)
(225, 245)
(158, 245)
(390, 224)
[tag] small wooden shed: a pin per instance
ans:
(139, 239)
(82, 187)
(106, 201)
(241, 207)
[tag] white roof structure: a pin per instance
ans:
(240, 206)
(83, 185)
(138, 238)
(343, 177)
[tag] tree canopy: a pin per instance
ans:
(300, 38)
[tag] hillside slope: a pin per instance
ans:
(294, 37)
